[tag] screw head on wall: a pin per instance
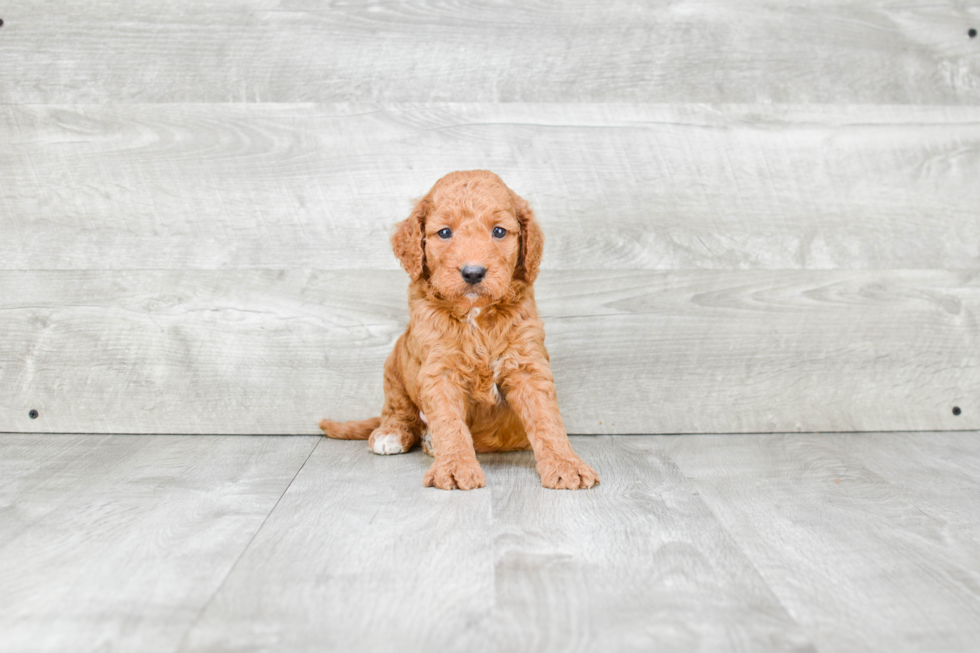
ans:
(32, 414)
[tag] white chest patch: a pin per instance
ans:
(471, 317)
(387, 443)
(495, 393)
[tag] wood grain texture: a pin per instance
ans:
(614, 186)
(911, 463)
(787, 542)
(243, 351)
(273, 51)
(119, 548)
(359, 556)
(38, 472)
(857, 559)
(637, 564)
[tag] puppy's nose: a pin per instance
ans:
(473, 273)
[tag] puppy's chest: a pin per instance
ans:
(484, 360)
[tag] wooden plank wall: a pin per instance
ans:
(757, 218)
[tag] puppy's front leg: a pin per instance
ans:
(455, 464)
(530, 391)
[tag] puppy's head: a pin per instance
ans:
(472, 238)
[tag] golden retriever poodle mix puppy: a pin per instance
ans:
(471, 373)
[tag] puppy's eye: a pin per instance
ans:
(445, 234)
(499, 232)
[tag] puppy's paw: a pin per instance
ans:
(567, 474)
(449, 474)
(388, 443)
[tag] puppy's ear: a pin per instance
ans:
(408, 240)
(532, 242)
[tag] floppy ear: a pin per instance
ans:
(532, 242)
(408, 240)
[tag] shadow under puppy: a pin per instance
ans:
(471, 373)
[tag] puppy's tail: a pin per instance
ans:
(353, 430)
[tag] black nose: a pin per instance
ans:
(473, 273)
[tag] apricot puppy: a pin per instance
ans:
(471, 373)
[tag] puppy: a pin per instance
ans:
(471, 373)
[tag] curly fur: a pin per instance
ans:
(471, 372)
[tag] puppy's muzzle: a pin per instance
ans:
(473, 274)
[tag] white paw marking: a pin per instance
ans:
(387, 443)
(422, 417)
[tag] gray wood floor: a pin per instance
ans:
(801, 542)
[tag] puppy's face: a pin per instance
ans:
(472, 237)
(472, 241)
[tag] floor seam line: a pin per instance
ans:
(741, 549)
(248, 545)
